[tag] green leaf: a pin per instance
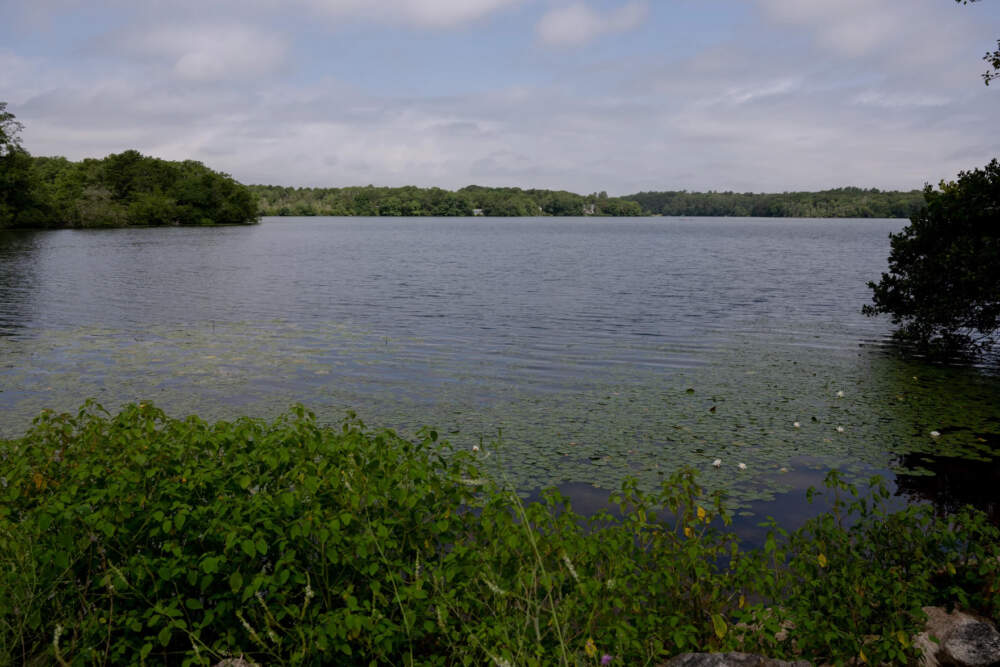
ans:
(144, 651)
(164, 636)
(236, 581)
(249, 548)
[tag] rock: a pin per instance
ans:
(975, 644)
(963, 640)
(728, 660)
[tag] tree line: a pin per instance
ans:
(120, 190)
(413, 201)
(478, 200)
(837, 203)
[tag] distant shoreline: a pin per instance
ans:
(477, 201)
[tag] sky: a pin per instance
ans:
(583, 95)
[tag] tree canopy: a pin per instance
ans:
(119, 190)
(943, 284)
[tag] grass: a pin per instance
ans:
(140, 539)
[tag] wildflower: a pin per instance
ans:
(493, 587)
(688, 532)
(717, 463)
(569, 566)
(797, 425)
(935, 434)
(701, 513)
(605, 659)
(840, 429)
(590, 648)
(309, 592)
(741, 466)
(840, 394)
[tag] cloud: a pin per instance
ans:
(578, 24)
(206, 53)
(420, 13)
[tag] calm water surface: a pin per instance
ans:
(597, 348)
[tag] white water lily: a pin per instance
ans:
(935, 434)
(840, 394)
(475, 448)
(741, 466)
(796, 425)
(840, 429)
(717, 463)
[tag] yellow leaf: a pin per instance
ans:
(951, 568)
(743, 601)
(701, 513)
(720, 626)
(822, 560)
(862, 657)
(688, 532)
(903, 639)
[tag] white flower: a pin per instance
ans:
(717, 463)
(935, 434)
(475, 448)
(840, 429)
(840, 394)
(796, 425)
(741, 466)
(783, 470)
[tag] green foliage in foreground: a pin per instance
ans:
(836, 203)
(138, 538)
(414, 201)
(943, 284)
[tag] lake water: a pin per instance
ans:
(594, 348)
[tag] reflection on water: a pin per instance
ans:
(598, 348)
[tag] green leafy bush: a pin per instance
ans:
(137, 538)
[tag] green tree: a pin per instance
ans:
(943, 284)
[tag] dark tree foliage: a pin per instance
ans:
(943, 284)
(836, 203)
(123, 189)
(414, 201)
(17, 191)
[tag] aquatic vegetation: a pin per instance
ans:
(137, 537)
(631, 421)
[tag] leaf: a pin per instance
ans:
(236, 581)
(144, 651)
(248, 548)
(164, 636)
(822, 560)
(719, 625)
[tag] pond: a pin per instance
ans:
(573, 352)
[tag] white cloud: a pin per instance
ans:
(577, 23)
(211, 52)
(422, 13)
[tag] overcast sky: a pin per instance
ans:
(588, 95)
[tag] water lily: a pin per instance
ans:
(840, 429)
(475, 448)
(840, 394)
(935, 434)
(717, 463)
(796, 425)
(741, 466)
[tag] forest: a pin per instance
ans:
(836, 203)
(370, 200)
(125, 189)
(414, 201)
